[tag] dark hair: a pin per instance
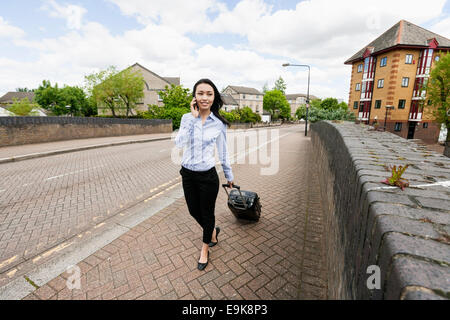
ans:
(217, 103)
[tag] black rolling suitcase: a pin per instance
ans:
(243, 204)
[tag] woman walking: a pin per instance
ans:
(200, 130)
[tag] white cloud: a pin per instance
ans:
(9, 31)
(180, 15)
(244, 18)
(442, 28)
(73, 14)
(320, 33)
(80, 52)
(320, 29)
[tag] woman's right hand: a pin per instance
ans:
(194, 107)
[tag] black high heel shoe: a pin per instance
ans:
(212, 244)
(202, 266)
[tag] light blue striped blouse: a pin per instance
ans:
(199, 140)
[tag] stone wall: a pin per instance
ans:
(249, 125)
(25, 130)
(403, 233)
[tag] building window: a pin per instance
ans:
(243, 96)
(409, 58)
(360, 67)
(398, 126)
(355, 105)
(401, 103)
(358, 87)
(377, 104)
(405, 81)
(381, 83)
(363, 87)
(425, 125)
(159, 97)
(383, 62)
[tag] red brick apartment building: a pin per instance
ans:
(391, 71)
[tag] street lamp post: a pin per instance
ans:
(385, 117)
(307, 95)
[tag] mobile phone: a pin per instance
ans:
(196, 105)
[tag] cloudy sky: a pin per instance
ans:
(232, 42)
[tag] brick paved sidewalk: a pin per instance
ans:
(279, 257)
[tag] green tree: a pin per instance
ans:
(280, 85)
(327, 109)
(247, 115)
(90, 109)
(276, 103)
(231, 116)
(317, 114)
(47, 96)
(23, 107)
(438, 91)
(157, 112)
(130, 88)
(24, 90)
(176, 101)
(300, 113)
(343, 105)
(61, 101)
(75, 99)
(176, 97)
(118, 91)
(329, 104)
(102, 89)
(175, 114)
(315, 103)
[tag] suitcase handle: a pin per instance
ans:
(244, 201)
(234, 186)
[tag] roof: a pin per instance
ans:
(246, 90)
(169, 80)
(296, 95)
(173, 80)
(8, 97)
(228, 99)
(402, 34)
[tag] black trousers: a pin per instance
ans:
(200, 191)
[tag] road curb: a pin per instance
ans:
(56, 152)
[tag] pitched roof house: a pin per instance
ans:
(154, 83)
(296, 100)
(7, 99)
(388, 77)
(246, 96)
(403, 34)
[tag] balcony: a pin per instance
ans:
(415, 113)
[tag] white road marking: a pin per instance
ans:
(67, 174)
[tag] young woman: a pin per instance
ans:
(200, 130)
